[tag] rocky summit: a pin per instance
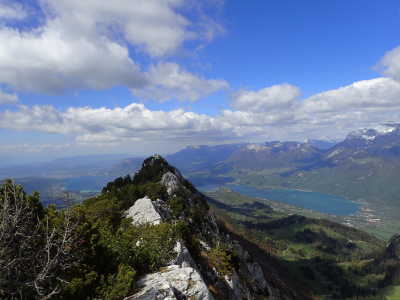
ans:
(202, 267)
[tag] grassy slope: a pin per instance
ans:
(393, 293)
(328, 257)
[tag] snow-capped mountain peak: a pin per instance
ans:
(386, 128)
(256, 147)
(371, 134)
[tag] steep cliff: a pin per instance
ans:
(393, 248)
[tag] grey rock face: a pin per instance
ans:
(238, 291)
(171, 182)
(183, 256)
(257, 274)
(186, 278)
(143, 212)
(173, 283)
(393, 248)
(254, 279)
(181, 279)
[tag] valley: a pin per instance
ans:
(199, 150)
(343, 259)
(266, 248)
(354, 181)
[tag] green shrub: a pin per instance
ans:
(118, 285)
(177, 205)
(221, 260)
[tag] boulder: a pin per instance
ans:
(143, 212)
(172, 283)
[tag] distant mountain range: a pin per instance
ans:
(193, 158)
(273, 155)
(382, 143)
(221, 159)
(322, 144)
(364, 167)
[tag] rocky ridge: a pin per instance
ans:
(191, 275)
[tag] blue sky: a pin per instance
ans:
(94, 77)
(317, 45)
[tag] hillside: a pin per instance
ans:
(150, 236)
(154, 236)
(363, 168)
(335, 261)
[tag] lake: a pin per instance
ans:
(324, 203)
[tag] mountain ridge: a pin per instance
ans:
(153, 235)
(226, 285)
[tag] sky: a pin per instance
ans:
(146, 76)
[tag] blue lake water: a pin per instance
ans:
(324, 203)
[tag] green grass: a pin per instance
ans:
(393, 293)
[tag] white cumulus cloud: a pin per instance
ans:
(169, 80)
(391, 63)
(12, 11)
(52, 61)
(153, 25)
(278, 111)
(361, 95)
(7, 98)
(134, 121)
(93, 44)
(268, 98)
(332, 113)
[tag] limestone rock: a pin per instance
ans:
(183, 256)
(172, 283)
(143, 212)
(257, 274)
(171, 182)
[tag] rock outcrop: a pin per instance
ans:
(194, 275)
(172, 283)
(171, 182)
(143, 212)
(393, 248)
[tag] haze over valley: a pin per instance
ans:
(352, 181)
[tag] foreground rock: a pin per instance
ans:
(173, 283)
